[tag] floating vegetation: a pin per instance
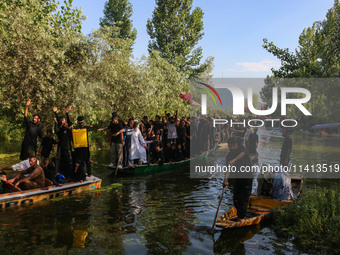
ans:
(112, 186)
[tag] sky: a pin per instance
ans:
(233, 30)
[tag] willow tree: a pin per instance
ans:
(175, 30)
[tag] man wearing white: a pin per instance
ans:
(138, 146)
(21, 166)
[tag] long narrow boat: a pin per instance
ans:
(142, 169)
(21, 198)
(324, 130)
(258, 208)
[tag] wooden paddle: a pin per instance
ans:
(10, 186)
(116, 170)
(221, 197)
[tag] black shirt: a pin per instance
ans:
(181, 130)
(245, 161)
(252, 142)
(157, 126)
(64, 133)
(114, 128)
(47, 143)
(240, 134)
(32, 133)
(286, 149)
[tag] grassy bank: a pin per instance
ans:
(313, 222)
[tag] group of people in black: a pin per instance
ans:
(67, 163)
(166, 139)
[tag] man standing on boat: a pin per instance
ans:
(64, 132)
(286, 148)
(82, 151)
(116, 141)
(238, 157)
(33, 131)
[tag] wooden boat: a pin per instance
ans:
(21, 198)
(258, 208)
(142, 169)
(324, 130)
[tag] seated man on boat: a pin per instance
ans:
(158, 156)
(275, 185)
(22, 165)
(282, 188)
(238, 157)
(32, 178)
(265, 185)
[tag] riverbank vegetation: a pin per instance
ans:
(313, 221)
(45, 57)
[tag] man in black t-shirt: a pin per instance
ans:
(33, 131)
(238, 157)
(158, 125)
(253, 141)
(116, 130)
(146, 123)
(240, 131)
(63, 130)
(286, 147)
(181, 132)
(46, 145)
(128, 129)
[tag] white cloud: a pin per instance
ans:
(262, 66)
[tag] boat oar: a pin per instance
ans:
(116, 170)
(221, 197)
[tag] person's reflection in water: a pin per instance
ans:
(232, 240)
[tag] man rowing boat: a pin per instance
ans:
(238, 157)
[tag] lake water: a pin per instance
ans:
(160, 213)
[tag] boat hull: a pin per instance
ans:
(143, 169)
(258, 208)
(29, 197)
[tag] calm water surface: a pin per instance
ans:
(161, 213)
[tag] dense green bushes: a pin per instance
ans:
(313, 221)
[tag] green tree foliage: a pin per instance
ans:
(34, 39)
(175, 31)
(45, 57)
(117, 16)
(317, 56)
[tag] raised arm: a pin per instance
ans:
(149, 133)
(29, 102)
(67, 110)
(55, 111)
